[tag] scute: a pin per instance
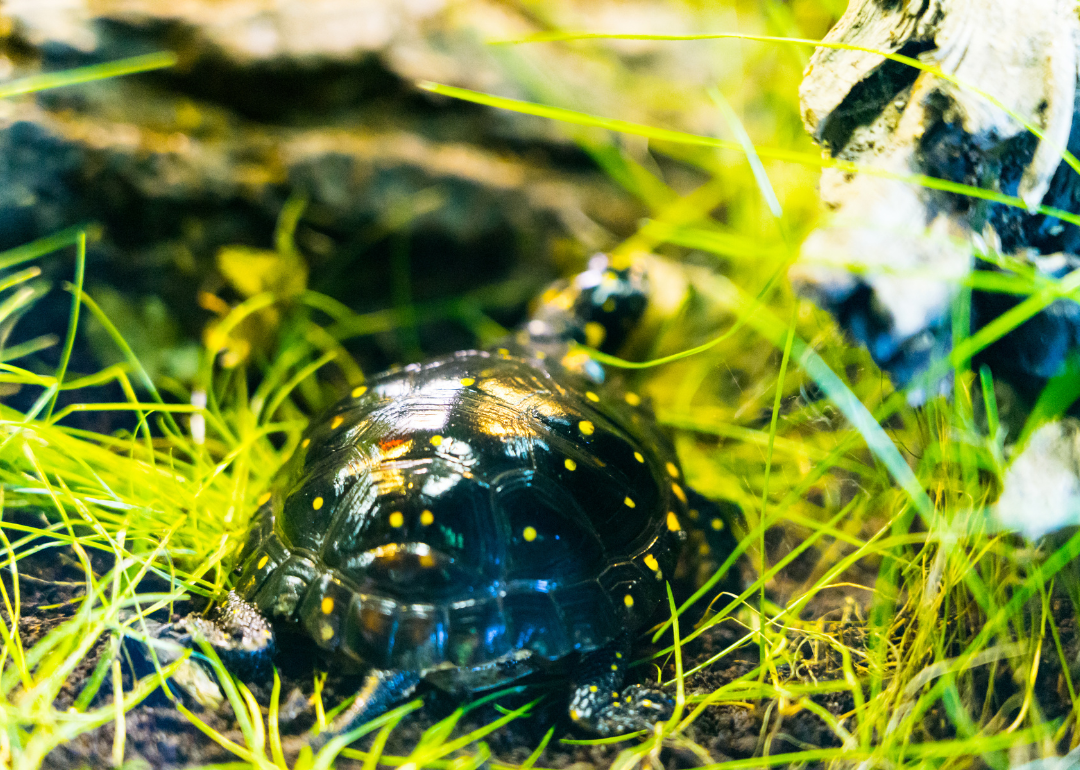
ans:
(587, 614)
(477, 632)
(282, 592)
(394, 508)
(533, 623)
(310, 506)
(547, 537)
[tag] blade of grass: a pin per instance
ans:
(914, 63)
(772, 153)
(538, 752)
(1060, 393)
(90, 73)
(276, 751)
(73, 320)
(46, 245)
(129, 355)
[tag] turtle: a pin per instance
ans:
(483, 516)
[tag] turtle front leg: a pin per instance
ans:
(598, 702)
(236, 630)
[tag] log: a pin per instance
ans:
(889, 256)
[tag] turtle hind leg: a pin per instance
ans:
(601, 705)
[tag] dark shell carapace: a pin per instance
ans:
(468, 509)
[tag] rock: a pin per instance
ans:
(318, 97)
(1041, 492)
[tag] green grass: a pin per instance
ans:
(865, 487)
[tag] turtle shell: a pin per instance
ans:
(469, 510)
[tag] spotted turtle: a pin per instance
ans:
(480, 517)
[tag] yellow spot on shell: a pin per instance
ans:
(570, 464)
(359, 391)
(628, 600)
(629, 503)
(673, 470)
(317, 503)
(264, 498)
(262, 562)
(540, 355)
(426, 518)
(615, 668)
(427, 561)
(704, 549)
(304, 443)
(574, 714)
(647, 703)
(326, 631)
(717, 524)
(618, 655)
(586, 427)
(592, 688)
(678, 492)
(673, 522)
(639, 457)
(633, 399)
(436, 440)
(503, 352)
(592, 396)
(396, 519)
(467, 381)
(651, 562)
(529, 534)
(327, 605)
(336, 422)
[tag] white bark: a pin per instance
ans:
(894, 236)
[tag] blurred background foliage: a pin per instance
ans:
(409, 198)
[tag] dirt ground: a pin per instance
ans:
(160, 737)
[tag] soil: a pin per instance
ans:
(51, 583)
(157, 735)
